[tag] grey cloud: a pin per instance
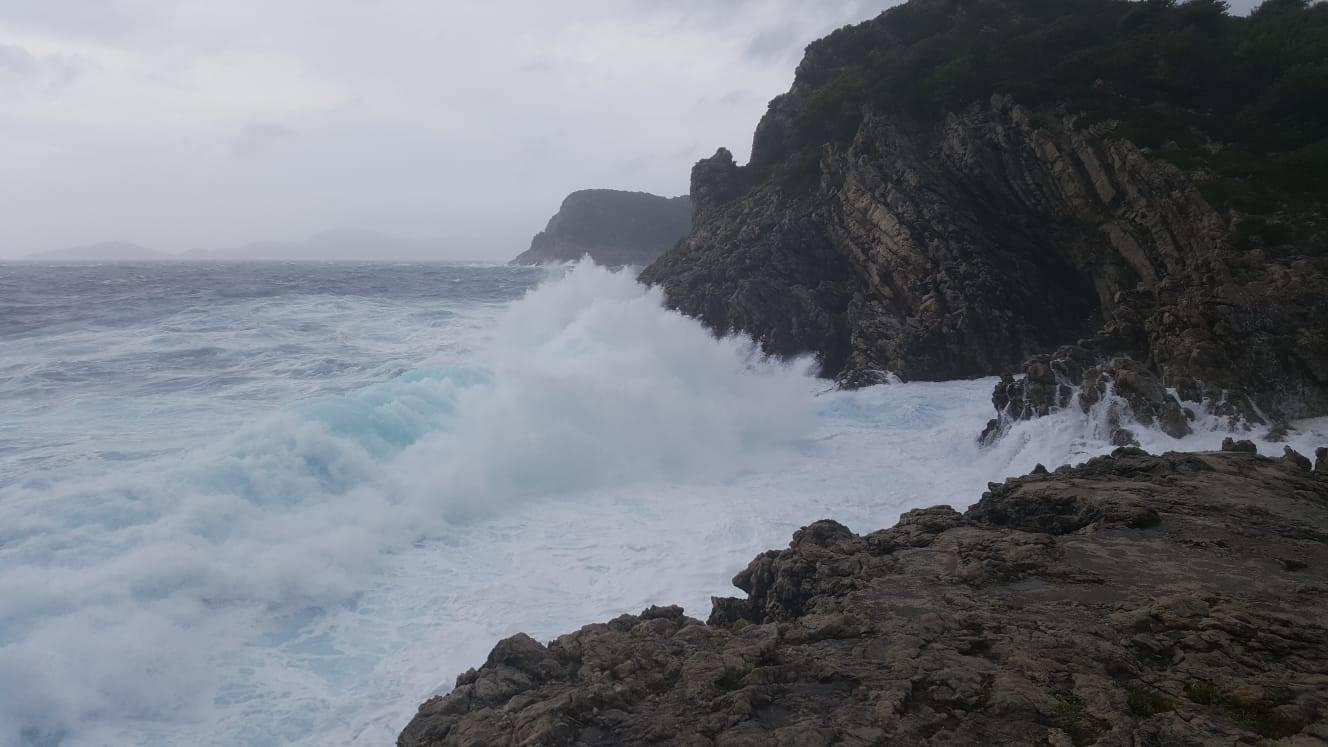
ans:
(15, 60)
(691, 151)
(402, 116)
(55, 70)
(88, 19)
(775, 44)
(257, 139)
(736, 97)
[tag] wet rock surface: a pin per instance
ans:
(1075, 376)
(1133, 600)
(964, 246)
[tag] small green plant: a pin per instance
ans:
(1203, 693)
(1073, 718)
(1144, 702)
(1258, 716)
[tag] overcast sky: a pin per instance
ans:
(207, 123)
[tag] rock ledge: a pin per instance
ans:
(1135, 599)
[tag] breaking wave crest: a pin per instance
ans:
(312, 575)
(118, 593)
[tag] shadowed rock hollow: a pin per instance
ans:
(1134, 600)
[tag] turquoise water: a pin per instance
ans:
(271, 504)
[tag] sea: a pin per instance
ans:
(284, 503)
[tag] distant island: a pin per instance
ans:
(106, 251)
(613, 227)
(350, 244)
(344, 244)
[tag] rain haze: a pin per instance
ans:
(213, 123)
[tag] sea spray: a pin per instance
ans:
(310, 576)
(160, 570)
(595, 384)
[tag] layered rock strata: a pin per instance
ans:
(962, 245)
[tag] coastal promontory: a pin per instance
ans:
(956, 186)
(612, 226)
(1177, 599)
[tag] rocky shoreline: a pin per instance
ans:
(1001, 221)
(1134, 599)
(1120, 200)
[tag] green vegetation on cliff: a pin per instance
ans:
(1244, 98)
(958, 185)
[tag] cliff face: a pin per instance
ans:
(961, 235)
(1175, 599)
(613, 227)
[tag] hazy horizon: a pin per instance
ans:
(341, 243)
(203, 124)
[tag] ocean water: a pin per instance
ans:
(271, 504)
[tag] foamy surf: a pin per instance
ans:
(308, 577)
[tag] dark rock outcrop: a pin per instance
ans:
(1243, 446)
(613, 227)
(1071, 375)
(1176, 599)
(958, 245)
(1075, 374)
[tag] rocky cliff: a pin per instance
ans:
(959, 185)
(1177, 599)
(613, 227)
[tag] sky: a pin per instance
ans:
(182, 124)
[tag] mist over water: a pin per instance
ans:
(269, 504)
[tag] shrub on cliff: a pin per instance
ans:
(1182, 78)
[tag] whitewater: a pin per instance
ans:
(268, 504)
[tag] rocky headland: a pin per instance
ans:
(1123, 204)
(613, 227)
(1179, 599)
(958, 186)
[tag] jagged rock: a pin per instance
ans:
(962, 245)
(992, 432)
(1321, 459)
(715, 180)
(1123, 437)
(1136, 599)
(613, 227)
(1243, 446)
(1050, 383)
(1293, 457)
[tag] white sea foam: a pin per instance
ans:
(122, 597)
(313, 575)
